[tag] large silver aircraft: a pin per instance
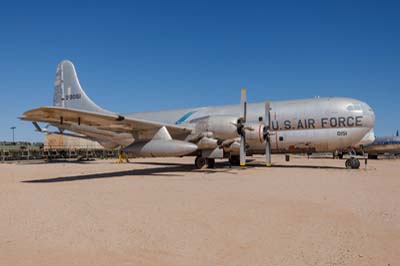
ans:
(209, 133)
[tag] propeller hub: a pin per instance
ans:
(266, 133)
(240, 127)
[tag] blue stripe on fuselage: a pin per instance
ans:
(184, 117)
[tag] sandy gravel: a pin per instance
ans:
(163, 212)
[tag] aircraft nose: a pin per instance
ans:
(367, 110)
(368, 113)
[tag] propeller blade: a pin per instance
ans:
(267, 126)
(267, 114)
(268, 153)
(243, 150)
(243, 103)
(241, 127)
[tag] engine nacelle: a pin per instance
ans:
(222, 126)
(234, 148)
(255, 135)
(207, 143)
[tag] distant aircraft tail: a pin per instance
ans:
(68, 92)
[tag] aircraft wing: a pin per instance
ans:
(112, 122)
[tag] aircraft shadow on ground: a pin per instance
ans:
(171, 170)
(59, 161)
(308, 167)
(252, 163)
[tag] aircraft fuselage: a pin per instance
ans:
(311, 125)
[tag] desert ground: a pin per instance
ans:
(164, 212)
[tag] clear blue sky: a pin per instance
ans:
(153, 55)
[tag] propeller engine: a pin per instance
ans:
(242, 127)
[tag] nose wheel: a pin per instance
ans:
(352, 163)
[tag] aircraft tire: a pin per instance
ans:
(200, 162)
(348, 164)
(352, 163)
(356, 164)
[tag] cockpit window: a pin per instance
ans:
(354, 107)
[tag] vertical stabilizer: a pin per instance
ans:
(68, 92)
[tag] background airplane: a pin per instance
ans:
(383, 145)
(209, 133)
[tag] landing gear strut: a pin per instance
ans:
(234, 160)
(211, 163)
(352, 163)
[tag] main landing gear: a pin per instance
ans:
(352, 163)
(201, 162)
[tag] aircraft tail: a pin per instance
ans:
(68, 92)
